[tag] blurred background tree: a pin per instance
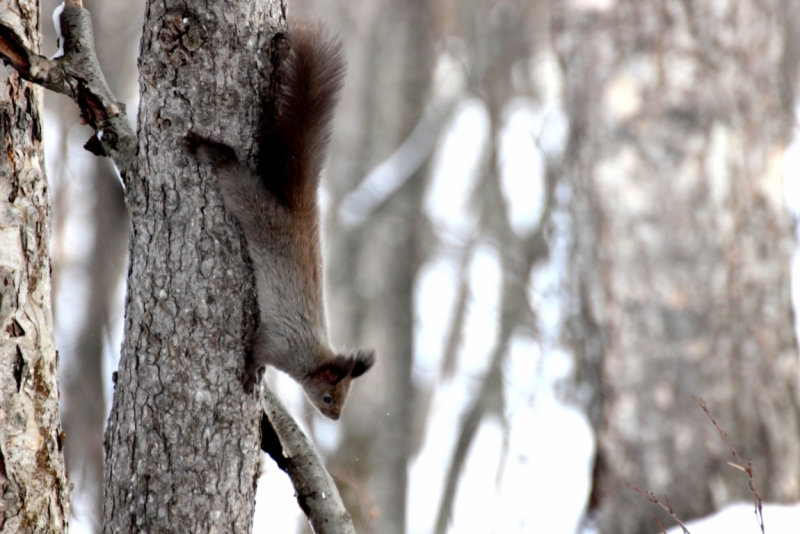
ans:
(679, 281)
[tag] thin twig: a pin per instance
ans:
(663, 530)
(747, 468)
(650, 496)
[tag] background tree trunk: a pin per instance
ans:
(372, 266)
(394, 241)
(183, 437)
(680, 280)
(86, 358)
(34, 493)
(84, 409)
(383, 256)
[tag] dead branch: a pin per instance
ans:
(316, 492)
(76, 73)
(748, 469)
(660, 526)
(650, 496)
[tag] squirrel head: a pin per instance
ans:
(327, 386)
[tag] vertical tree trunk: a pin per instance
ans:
(183, 438)
(682, 247)
(83, 400)
(117, 30)
(399, 237)
(373, 266)
(34, 493)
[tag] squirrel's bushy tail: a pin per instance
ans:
(296, 134)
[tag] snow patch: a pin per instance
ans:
(59, 37)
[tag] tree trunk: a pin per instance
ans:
(680, 267)
(397, 242)
(83, 401)
(374, 265)
(34, 493)
(84, 410)
(183, 438)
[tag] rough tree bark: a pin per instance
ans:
(680, 266)
(34, 494)
(182, 439)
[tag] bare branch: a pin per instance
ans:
(748, 468)
(387, 178)
(77, 75)
(467, 433)
(660, 526)
(316, 492)
(455, 329)
(650, 496)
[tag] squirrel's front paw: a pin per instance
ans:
(251, 377)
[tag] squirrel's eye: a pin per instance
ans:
(328, 399)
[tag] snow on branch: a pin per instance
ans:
(76, 73)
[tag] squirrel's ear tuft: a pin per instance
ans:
(334, 370)
(364, 360)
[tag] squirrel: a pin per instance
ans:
(277, 209)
